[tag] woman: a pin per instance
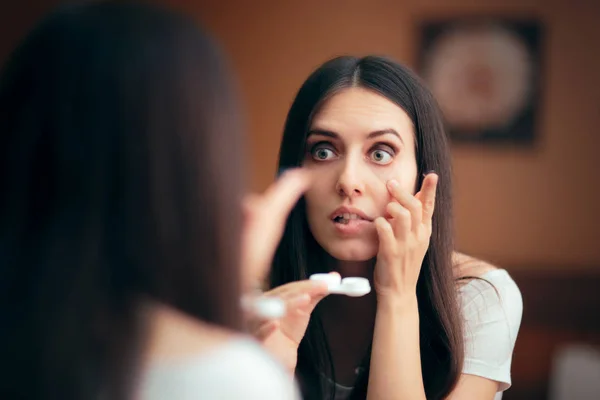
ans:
(120, 206)
(439, 324)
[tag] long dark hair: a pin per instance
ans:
(120, 180)
(299, 255)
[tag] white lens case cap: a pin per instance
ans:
(351, 286)
(332, 280)
(265, 307)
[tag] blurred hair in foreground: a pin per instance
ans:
(116, 128)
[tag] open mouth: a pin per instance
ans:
(346, 218)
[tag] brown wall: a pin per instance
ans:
(524, 208)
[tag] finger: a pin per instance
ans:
(265, 330)
(427, 196)
(401, 219)
(308, 309)
(296, 288)
(407, 200)
(335, 273)
(265, 217)
(298, 301)
(322, 294)
(307, 288)
(281, 197)
(387, 240)
(255, 320)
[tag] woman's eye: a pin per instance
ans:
(322, 153)
(381, 156)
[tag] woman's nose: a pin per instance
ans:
(349, 182)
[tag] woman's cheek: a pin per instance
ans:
(406, 175)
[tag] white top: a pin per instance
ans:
(239, 369)
(492, 319)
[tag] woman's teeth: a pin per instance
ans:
(346, 218)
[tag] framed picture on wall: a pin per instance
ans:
(485, 74)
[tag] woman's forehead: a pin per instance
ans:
(359, 111)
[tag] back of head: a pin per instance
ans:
(299, 255)
(120, 180)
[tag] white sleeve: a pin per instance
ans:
(492, 312)
(244, 371)
(260, 377)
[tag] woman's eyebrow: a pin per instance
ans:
(323, 132)
(374, 134)
(382, 132)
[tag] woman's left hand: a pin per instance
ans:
(404, 239)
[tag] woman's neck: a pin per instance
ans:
(363, 269)
(356, 307)
(349, 322)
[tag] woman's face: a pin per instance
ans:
(357, 142)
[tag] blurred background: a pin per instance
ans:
(520, 84)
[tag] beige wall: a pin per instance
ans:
(526, 208)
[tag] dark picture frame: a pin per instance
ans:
(485, 72)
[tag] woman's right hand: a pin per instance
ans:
(282, 337)
(265, 216)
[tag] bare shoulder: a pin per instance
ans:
(468, 266)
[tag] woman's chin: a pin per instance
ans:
(352, 252)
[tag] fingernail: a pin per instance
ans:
(431, 171)
(393, 183)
